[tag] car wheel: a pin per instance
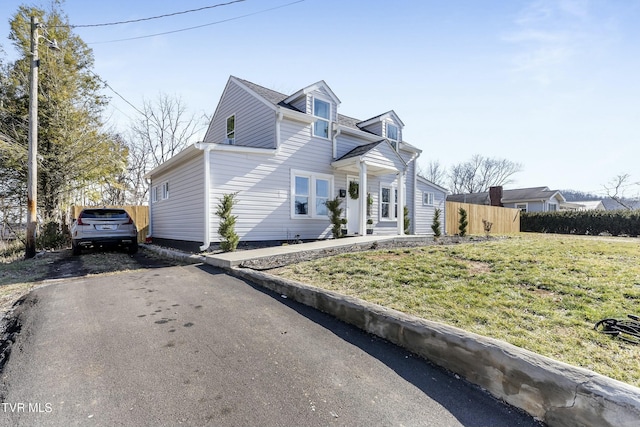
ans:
(133, 248)
(75, 249)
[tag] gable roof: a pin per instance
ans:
(389, 114)
(509, 196)
(279, 99)
(533, 193)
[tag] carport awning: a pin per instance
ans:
(380, 157)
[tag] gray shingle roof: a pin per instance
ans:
(508, 196)
(360, 150)
(277, 98)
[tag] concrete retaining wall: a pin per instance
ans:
(556, 393)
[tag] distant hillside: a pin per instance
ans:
(575, 195)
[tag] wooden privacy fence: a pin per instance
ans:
(505, 220)
(139, 214)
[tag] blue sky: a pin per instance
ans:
(554, 85)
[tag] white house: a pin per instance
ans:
(285, 156)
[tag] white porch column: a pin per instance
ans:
(362, 198)
(400, 215)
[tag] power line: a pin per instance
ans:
(116, 92)
(200, 26)
(153, 17)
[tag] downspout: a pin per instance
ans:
(414, 202)
(207, 199)
(335, 143)
(149, 235)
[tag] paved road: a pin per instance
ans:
(193, 346)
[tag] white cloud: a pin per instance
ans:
(549, 36)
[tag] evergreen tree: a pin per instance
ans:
(462, 222)
(227, 226)
(75, 155)
(435, 226)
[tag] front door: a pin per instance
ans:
(353, 223)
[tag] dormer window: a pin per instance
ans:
(392, 135)
(231, 130)
(322, 111)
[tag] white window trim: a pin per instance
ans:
(521, 205)
(313, 176)
(165, 190)
(154, 194)
(227, 140)
(426, 195)
(394, 142)
(313, 113)
(393, 203)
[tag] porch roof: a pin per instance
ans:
(380, 157)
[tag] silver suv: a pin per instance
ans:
(96, 227)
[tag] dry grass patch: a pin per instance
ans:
(540, 292)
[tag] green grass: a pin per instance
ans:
(540, 292)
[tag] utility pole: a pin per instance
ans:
(32, 172)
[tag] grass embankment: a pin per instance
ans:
(539, 292)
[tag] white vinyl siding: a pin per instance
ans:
(254, 121)
(180, 217)
(424, 213)
(263, 183)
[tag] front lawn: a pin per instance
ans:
(540, 292)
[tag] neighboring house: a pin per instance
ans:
(589, 205)
(535, 199)
(285, 156)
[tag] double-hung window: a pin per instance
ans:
(165, 190)
(388, 203)
(392, 135)
(231, 130)
(154, 194)
(301, 195)
(310, 193)
(322, 112)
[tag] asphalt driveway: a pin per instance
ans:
(190, 345)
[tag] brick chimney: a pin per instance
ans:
(495, 196)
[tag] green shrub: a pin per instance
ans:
(616, 223)
(407, 220)
(435, 226)
(227, 227)
(335, 217)
(462, 222)
(52, 236)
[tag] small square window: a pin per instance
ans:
(427, 198)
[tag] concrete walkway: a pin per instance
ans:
(234, 259)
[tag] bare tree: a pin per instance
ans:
(164, 129)
(616, 189)
(479, 173)
(434, 172)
